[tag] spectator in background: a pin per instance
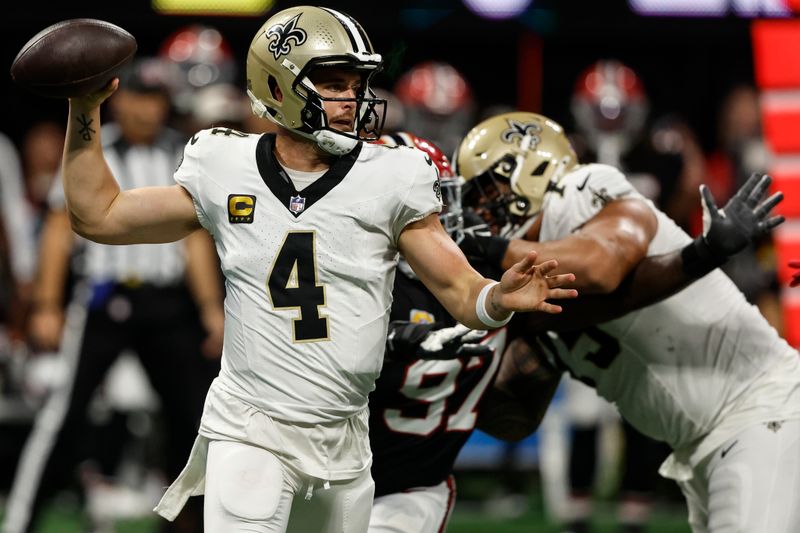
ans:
(219, 105)
(225, 106)
(198, 56)
(17, 242)
(660, 155)
(131, 297)
(740, 152)
(42, 147)
(438, 103)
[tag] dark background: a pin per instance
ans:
(687, 64)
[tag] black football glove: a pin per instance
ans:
(727, 231)
(409, 341)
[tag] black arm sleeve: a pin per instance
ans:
(485, 249)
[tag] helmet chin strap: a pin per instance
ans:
(334, 143)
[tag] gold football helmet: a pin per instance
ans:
(509, 161)
(287, 48)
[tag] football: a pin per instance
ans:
(73, 58)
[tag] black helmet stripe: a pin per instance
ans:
(362, 33)
(356, 34)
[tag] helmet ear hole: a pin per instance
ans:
(541, 169)
(274, 90)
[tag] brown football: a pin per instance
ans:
(73, 58)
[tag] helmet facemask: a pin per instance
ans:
(491, 197)
(452, 215)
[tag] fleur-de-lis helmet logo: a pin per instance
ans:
(281, 35)
(520, 130)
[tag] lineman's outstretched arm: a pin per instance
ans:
(444, 270)
(511, 410)
(744, 219)
(603, 251)
(98, 210)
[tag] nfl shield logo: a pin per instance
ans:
(297, 204)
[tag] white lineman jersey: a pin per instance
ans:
(308, 274)
(701, 360)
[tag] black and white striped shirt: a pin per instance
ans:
(133, 166)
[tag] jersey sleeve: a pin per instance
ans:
(423, 197)
(189, 176)
(580, 196)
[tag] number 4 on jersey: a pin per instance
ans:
(292, 284)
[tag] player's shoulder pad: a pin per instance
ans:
(216, 135)
(401, 161)
(371, 150)
(210, 141)
(585, 179)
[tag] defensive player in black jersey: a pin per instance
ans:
(435, 372)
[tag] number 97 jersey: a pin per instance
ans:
(422, 412)
(308, 273)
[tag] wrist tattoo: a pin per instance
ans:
(86, 130)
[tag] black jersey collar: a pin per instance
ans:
(281, 185)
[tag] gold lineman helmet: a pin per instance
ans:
(526, 152)
(287, 48)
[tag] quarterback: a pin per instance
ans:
(308, 224)
(701, 370)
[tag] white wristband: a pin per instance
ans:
(480, 309)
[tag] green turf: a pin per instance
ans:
(471, 522)
(466, 519)
(476, 510)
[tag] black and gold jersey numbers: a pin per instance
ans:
(293, 284)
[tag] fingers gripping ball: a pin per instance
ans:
(73, 58)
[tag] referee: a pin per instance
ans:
(143, 298)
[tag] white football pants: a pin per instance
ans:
(248, 489)
(419, 510)
(750, 484)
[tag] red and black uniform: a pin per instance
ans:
(423, 411)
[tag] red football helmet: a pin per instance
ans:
(203, 58)
(609, 101)
(438, 101)
(451, 215)
(436, 87)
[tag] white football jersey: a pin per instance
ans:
(701, 362)
(308, 275)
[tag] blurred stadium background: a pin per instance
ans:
(524, 54)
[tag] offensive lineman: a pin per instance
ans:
(439, 382)
(308, 223)
(702, 370)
